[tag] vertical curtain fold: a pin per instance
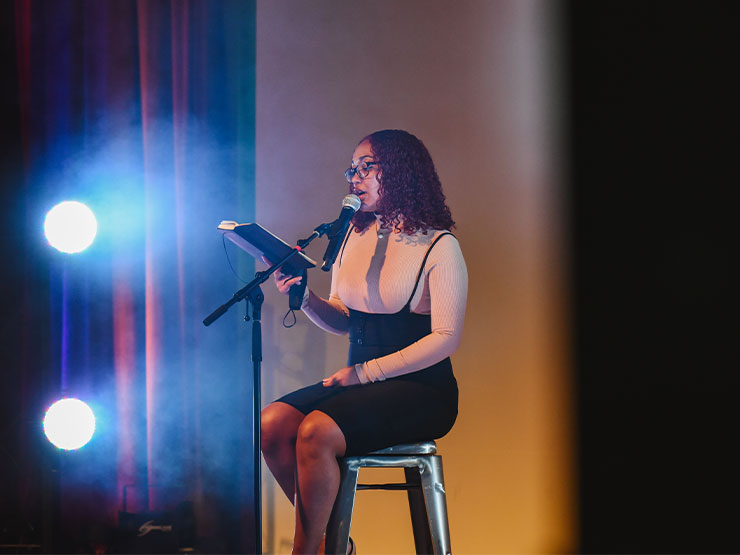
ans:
(145, 111)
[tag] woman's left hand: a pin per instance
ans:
(344, 377)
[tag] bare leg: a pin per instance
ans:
(279, 431)
(319, 443)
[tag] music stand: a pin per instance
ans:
(259, 242)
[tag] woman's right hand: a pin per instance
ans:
(283, 281)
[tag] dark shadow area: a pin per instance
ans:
(653, 155)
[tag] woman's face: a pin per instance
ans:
(368, 188)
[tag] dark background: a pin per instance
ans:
(653, 131)
(654, 145)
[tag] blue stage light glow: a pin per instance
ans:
(70, 226)
(69, 424)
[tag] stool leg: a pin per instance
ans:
(435, 498)
(419, 519)
(337, 531)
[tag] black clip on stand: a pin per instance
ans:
(253, 294)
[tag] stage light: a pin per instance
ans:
(70, 226)
(69, 424)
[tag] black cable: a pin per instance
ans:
(226, 252)
(295, 320)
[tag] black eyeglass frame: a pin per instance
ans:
(350, 172)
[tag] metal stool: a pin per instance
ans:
(425, 487)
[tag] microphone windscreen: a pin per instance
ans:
(352, 201)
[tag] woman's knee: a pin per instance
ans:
(319, 434)
(279, 424)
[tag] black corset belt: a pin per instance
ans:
(376, 335)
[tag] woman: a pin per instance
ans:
(399, 288)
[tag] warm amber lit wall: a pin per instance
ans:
(476, 81)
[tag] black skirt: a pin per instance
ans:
(414, 407)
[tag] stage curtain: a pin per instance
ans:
(144, 111)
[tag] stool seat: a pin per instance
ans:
(423, 448)
(424, 485)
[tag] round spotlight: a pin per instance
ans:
(69, 424)
(70, 226)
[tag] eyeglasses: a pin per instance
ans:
(362, 170)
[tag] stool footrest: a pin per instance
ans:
(389, 486)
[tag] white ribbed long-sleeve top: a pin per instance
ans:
(376, 274)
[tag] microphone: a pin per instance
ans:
(350, 205)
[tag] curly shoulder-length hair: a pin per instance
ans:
(411, 197)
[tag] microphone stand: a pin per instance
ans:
(253, 294)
